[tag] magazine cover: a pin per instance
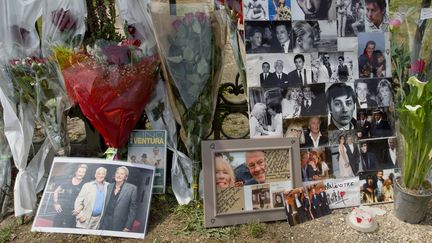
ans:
(149, 147)
(96, 197)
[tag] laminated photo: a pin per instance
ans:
(342, 193)
(149, 147)
(377, 186)
(96, 197)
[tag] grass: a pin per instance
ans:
(7, 232)
(256, 229)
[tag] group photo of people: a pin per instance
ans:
(311, 131)
(303, 205)
(377, 186)
(267, 9)
(330, 67)
(93, 196)
(374, 93)
(375, 123)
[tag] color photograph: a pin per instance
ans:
(97, 197)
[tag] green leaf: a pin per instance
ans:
(196, 27)
(203, 67)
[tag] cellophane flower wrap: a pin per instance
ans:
(31, 91)
(112, 81)
(190, 43)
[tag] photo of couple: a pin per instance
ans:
(95, 196)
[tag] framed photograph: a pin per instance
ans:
(96, 197)
(245, 180)
(149, 147)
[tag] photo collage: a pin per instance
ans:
(324, 75)
(251, 180)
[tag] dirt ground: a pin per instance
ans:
(171, 223)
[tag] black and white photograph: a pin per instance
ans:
(350, 17)
(97, 197)
(304, 36)
(265, 112)
(280, 9)
(373, 123)
(297, 206)
(301, 101)
(326, 40)
(377, 16)
(373, 93)
(261, 196)
(255, 10)
(329, 67)
(268, 37)
(316, 164)
(313, 9)
(312, 131)
(374, 55)
(273, 70)
(341, 106)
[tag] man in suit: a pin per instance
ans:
(353, 154)
(379, 126)
(390, 154)
(325, 70)
(379, 181)
(369, 160)
(306, 168)
(314, 138)
(363, 101)
(340, 102)
(90, 203)
(298, 76)
(363, 126)
(310, 105)
(298, 205)
(325, 208)
(265, 73)
(283, 35)
(278, 78)
(316, 204)
(120, 203)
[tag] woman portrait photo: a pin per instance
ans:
(304, 36)
(295, 129)
(278, 200)
(256, 42)
(224, 173)
(291, 102)
(344, 163)
(257, 121)
(384, 94)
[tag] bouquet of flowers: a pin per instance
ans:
(190, 45)
(31, 91)
(113, 79)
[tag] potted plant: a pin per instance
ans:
(412, 191)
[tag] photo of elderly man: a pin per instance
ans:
(89, 205)
(255, 162)
(120, 203)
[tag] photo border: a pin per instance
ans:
(82, 160)
(211, 218)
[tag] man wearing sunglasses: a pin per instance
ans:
(325, 72)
